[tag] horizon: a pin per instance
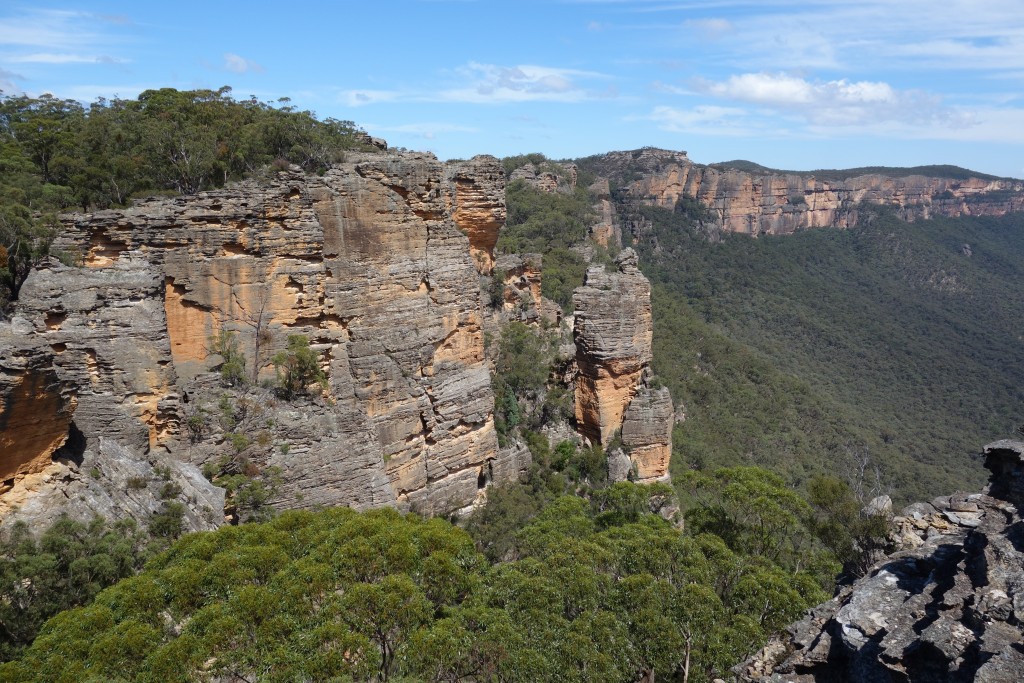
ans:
(831, 86)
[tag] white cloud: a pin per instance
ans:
(981, 125)
(59, 37)
(865, 35)
(494, 84)
(706, 120)
(658, 86)
(63, 58)
(240, 65)
(711, 28)
(836, 103)
(51, 30)
(7, 79)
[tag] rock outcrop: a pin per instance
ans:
(768, 203)
(557, 177)
(949, 609)
(35, 413)
(479, 205)
(371, 262)
(647, 431)
(613, 331)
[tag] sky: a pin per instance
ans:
(791, 84)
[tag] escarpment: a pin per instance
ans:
(370, 262)
(779, 203)
(950, 608)
(613, 330)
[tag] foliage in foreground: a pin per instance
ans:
(66, 566)
(600, 590)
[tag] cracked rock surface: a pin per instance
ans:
(375, 262)
(950, 608)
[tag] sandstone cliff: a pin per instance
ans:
(479, 205)
(949, 609)
(766, 203)
(613, 330)
(371, 262)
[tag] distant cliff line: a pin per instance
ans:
(750, 199)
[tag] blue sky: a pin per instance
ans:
(786, 83)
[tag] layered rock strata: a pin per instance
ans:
(647, 432)
(479, 205)
(563, 181)
(758, 204)
(949, 609)
(371, 262)
(613, 332)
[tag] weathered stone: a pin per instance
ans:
(115, 482)
(512, 464)
(619, 465)
(950, 609)
(612, 329)
(647, 432)
(879, 505)
(371, 262)
(521, 275)
(479, 209)
(1006, 460)
(35, 410)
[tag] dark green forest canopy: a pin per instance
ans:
(946, 171)
(887, 354)
(594, 590)
(889, 350)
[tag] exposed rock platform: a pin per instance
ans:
(949, 609)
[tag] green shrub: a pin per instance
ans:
(232, 369)
(297, 367)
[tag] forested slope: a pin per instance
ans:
(892, 347)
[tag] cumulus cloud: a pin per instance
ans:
(240, 65)
(836, 102)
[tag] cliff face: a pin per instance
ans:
(613, 330)
(773, 204)
(951, 608)
(479, 205)
(370, 262)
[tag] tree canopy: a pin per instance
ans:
(599, 590)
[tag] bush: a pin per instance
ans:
(297, 367)
(232, 369)
(66, 566)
